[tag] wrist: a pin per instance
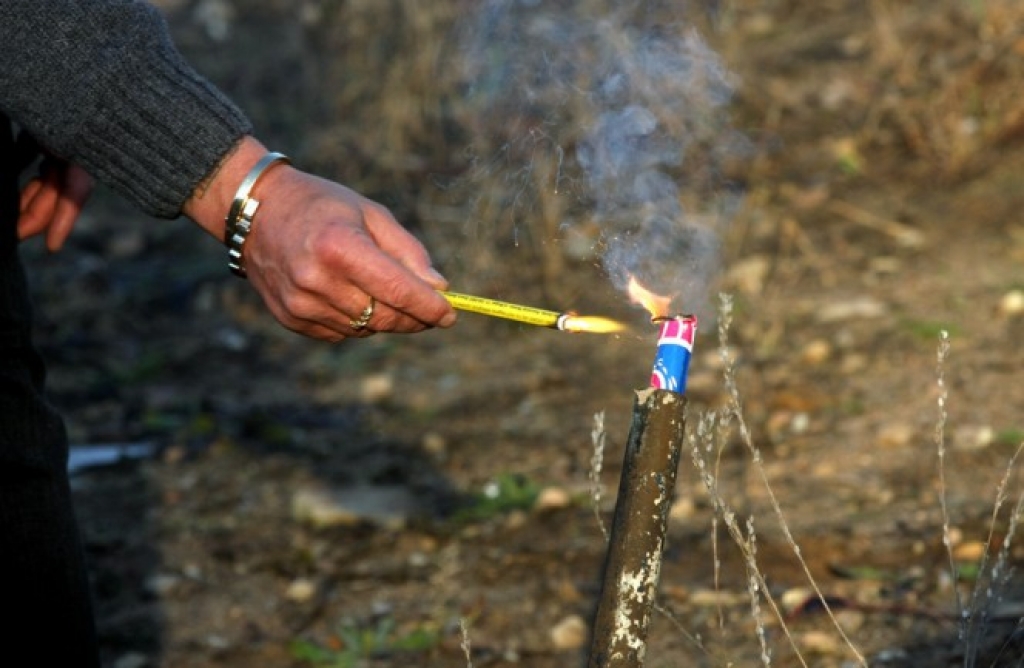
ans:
(212, 199)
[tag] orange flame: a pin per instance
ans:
(657, 305)
(591, 324)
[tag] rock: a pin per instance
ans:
(300, 590)
(795, 598)
(377, 387)
(895, 435)
(132, 660)
(706, 598)
(162, 584)
(973, 437)
(748, 275)
(552, 498)
(819, 642)
(388, 506)
(570, 633)
(1012, 303)
(816, 352)
(970, 552)
(434, 444)
(858, 308)
(682, 509)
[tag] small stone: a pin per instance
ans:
(1012, 303)
(795, 598)
(859, 308)
(377, 387)
(552, 498)
(388, 506)
(570, 633)
(970, 552)
(682, 509)
(434, 444)
(132, 660)
(162, 584)
(973, 437)
(816, 352)
(851, 621)
(706, 598)
(300, 590)
(896, 435)
(819, 642)
(748, 275)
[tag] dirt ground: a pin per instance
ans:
(354, 505)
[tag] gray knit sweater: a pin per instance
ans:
(100, 83)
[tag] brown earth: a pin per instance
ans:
(882, 206)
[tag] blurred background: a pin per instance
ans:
(849, 172)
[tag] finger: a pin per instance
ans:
(395, 285)
(397, 242)
(37, 211)
(29, 192)
(76, 188)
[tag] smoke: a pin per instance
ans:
(633, 105)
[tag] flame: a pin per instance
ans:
(657, 305)
(591, 323)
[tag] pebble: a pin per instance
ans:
(816, 352)
(435, 444)
(973, 437)
(705, 598)
(132, 660)
(970, 552)
(377, 387)
(895, 435)
(570, 633)
(388, 506)
(794, 598)
(1012, 303)
(162, 584)
(857, 308)
(552, 498)
(682, 509)
(748, 275)
(300, 590)
(819, 642)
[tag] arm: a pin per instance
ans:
(99, 83)
(318, 251)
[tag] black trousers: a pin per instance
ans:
(44, 591)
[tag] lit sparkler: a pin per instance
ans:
(675, 339)
(564, 321)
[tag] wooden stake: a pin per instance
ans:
(635, 550)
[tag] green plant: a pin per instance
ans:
(353, 643)
(507, 492)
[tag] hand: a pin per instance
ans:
(52, 202)
(318, 252)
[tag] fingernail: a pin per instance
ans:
(448, 320)
(434, 276)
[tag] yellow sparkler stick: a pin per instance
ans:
(567, 322)
(507, 310)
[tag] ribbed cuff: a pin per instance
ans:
(158, 133)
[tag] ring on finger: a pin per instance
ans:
(364, 318)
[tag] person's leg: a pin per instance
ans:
(44, 591)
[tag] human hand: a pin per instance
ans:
(52, 202)
(318, 252)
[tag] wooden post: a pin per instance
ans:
(637, 543)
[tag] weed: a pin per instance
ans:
(354, 643)
(507, 492)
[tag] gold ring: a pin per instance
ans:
(364, 318)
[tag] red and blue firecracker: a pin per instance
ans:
(672, 361)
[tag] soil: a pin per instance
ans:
(881, 208)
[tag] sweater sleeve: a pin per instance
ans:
(100, 83)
